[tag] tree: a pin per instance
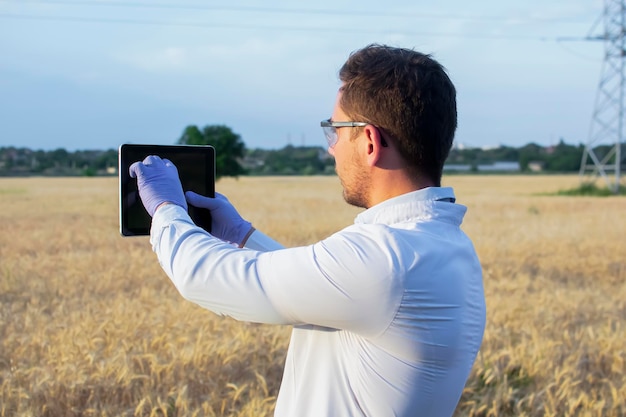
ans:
(565, 158)
(229, 148)
(531, 153)
(293, 160)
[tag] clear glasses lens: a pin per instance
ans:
(331, 135)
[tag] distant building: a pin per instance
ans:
(536, 166)
(457, 167)
(500, 166)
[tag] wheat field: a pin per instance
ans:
(91, 326)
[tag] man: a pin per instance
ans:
(388, 314)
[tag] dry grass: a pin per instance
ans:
(90, 326)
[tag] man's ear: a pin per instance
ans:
(376, 144)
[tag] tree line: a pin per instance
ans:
(233, 158)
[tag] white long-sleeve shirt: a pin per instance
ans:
(388, 313)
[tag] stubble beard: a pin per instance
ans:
(354, 199)
(356, 188)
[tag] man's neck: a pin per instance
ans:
(393, 184)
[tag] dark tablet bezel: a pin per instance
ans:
(196, 169)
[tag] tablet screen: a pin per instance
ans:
(196, 169)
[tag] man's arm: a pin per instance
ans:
(322, 284)
(209, 271)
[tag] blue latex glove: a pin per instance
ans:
(158, 183)
(226, 223)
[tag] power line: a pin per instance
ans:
(299, 28)
(282, 10)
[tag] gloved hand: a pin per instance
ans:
(158, 183)
(226, 223)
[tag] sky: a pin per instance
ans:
(94, 74)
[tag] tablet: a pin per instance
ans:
(196, 169)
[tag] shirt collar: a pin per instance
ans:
(420, 204)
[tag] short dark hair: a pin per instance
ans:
(409, 96)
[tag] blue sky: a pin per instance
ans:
(93, 74)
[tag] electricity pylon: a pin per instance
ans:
(607, 124)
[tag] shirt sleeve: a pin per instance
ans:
(343, 282)
(262, 242)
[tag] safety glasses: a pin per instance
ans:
(330, 129)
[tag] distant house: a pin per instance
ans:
(536, 166)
